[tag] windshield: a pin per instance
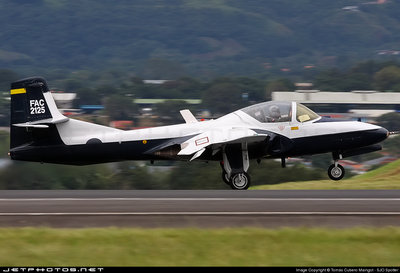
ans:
(304, 114)
(271, 111)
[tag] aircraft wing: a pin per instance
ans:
(169, 143)
(220, 136)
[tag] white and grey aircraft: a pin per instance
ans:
(274, 129)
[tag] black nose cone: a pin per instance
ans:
(380, 134)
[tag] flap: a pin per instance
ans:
(169, 143)
(219, 136)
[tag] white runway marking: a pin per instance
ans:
(197, 199)
(206, 213)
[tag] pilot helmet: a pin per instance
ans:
(274, 111)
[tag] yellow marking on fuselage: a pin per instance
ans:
(18, 91)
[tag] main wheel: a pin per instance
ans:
(336, 172)
(240, 181)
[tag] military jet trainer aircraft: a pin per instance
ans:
(39, 132)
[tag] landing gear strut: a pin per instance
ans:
(225, 176)
(235, 165)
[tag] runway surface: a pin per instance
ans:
(200, 208)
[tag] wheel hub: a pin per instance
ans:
(336, 172)
(239, 180)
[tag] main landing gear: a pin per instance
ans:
(235, 166)
(238, 181)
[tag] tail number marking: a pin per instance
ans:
(37, 107)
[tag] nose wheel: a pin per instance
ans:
(336, 171)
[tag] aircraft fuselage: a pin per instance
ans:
(39, 132)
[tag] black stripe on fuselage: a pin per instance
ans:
(90, 153)
(336, 142)
(281, 146)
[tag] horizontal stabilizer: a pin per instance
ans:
(28, 125)
(42, 123)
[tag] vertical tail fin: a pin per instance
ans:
(32, 107)
(27, 101)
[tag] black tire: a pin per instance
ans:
(240, 181)
(336, 172)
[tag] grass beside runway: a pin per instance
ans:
(386, 177)
(200, 247)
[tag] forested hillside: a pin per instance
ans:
(202, 38)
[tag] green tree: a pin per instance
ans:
(392, 146)
(4, 112)
(32, 176)
(6, 78)
(223, 97)
(118, 107)
(4, 143)
(161, 69)
(330, 80)
(387, 78)
(196, 175)
(131, 175)
(169, 111)
(279, 85)
(390, 121)
(87, 96)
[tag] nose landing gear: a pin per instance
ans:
(336, 171)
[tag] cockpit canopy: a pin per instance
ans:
(279, 111)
